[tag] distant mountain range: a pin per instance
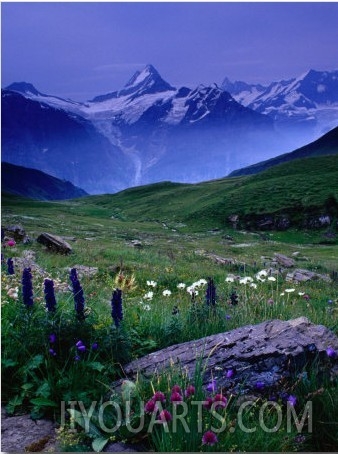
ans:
(309, 101)
(325, 145)
(35, 184)
(150, 131)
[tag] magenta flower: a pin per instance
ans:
(11, 243)
(306, 297)
(207, 404)
(165, 416)
(150, 406)
(270, 301)
(176, 389)
(209, 438)
(159, 397)
(190, 391)
(176, 397)
(220, 401)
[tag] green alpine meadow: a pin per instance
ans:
(159, 265)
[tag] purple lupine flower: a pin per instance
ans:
(77, 358)
(95, 346)
(52, 352)
(227, 317)
(329, 302)
(331, 353)
(210, 296)
(10, 266)
(49, 295)
(209, 438)
(116, 304)
(27, 287)
(79, 300)
(52, 338)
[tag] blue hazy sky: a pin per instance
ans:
(81, 49)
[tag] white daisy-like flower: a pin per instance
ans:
(289, 290)
(260, 279)
(149, 296)
(166, 293)
(271, 278)
(151, 283)
(253, 285)
(181, 286)
(262, 273)
(146, 307)
(202, 282)
(301, 293)
(282, 294)
(192, 290)
(229, 279)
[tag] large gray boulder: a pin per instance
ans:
(265, 353)
(54, 243)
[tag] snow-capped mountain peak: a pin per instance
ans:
(147, 81)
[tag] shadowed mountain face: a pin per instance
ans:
(146, 132)
(326, 145)
(35, 184)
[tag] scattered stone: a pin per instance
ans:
(16, 232)
(234, 219)
(285, 261)
(85, 271)
(22, 434)
(123, 447)
(300, 275)
(28, 261)
(69, 238)
(216, 258)
(295, 254)
(54, 243)
(268, 352)
(136, 244)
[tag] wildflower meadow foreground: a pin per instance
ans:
(67, 336)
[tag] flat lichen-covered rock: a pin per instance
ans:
(266, 352)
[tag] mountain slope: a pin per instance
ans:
(35, 184)
(294, 191)
(63, 144)
(325, 145)
(146, 132)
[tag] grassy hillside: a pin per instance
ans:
(302, 187)
(36, 184)
(325, 145)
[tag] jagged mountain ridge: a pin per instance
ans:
(309, 101)
(146, 132)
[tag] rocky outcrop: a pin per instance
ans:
(264, 353)
(284, 261)
(54, 243)
(300, 275)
